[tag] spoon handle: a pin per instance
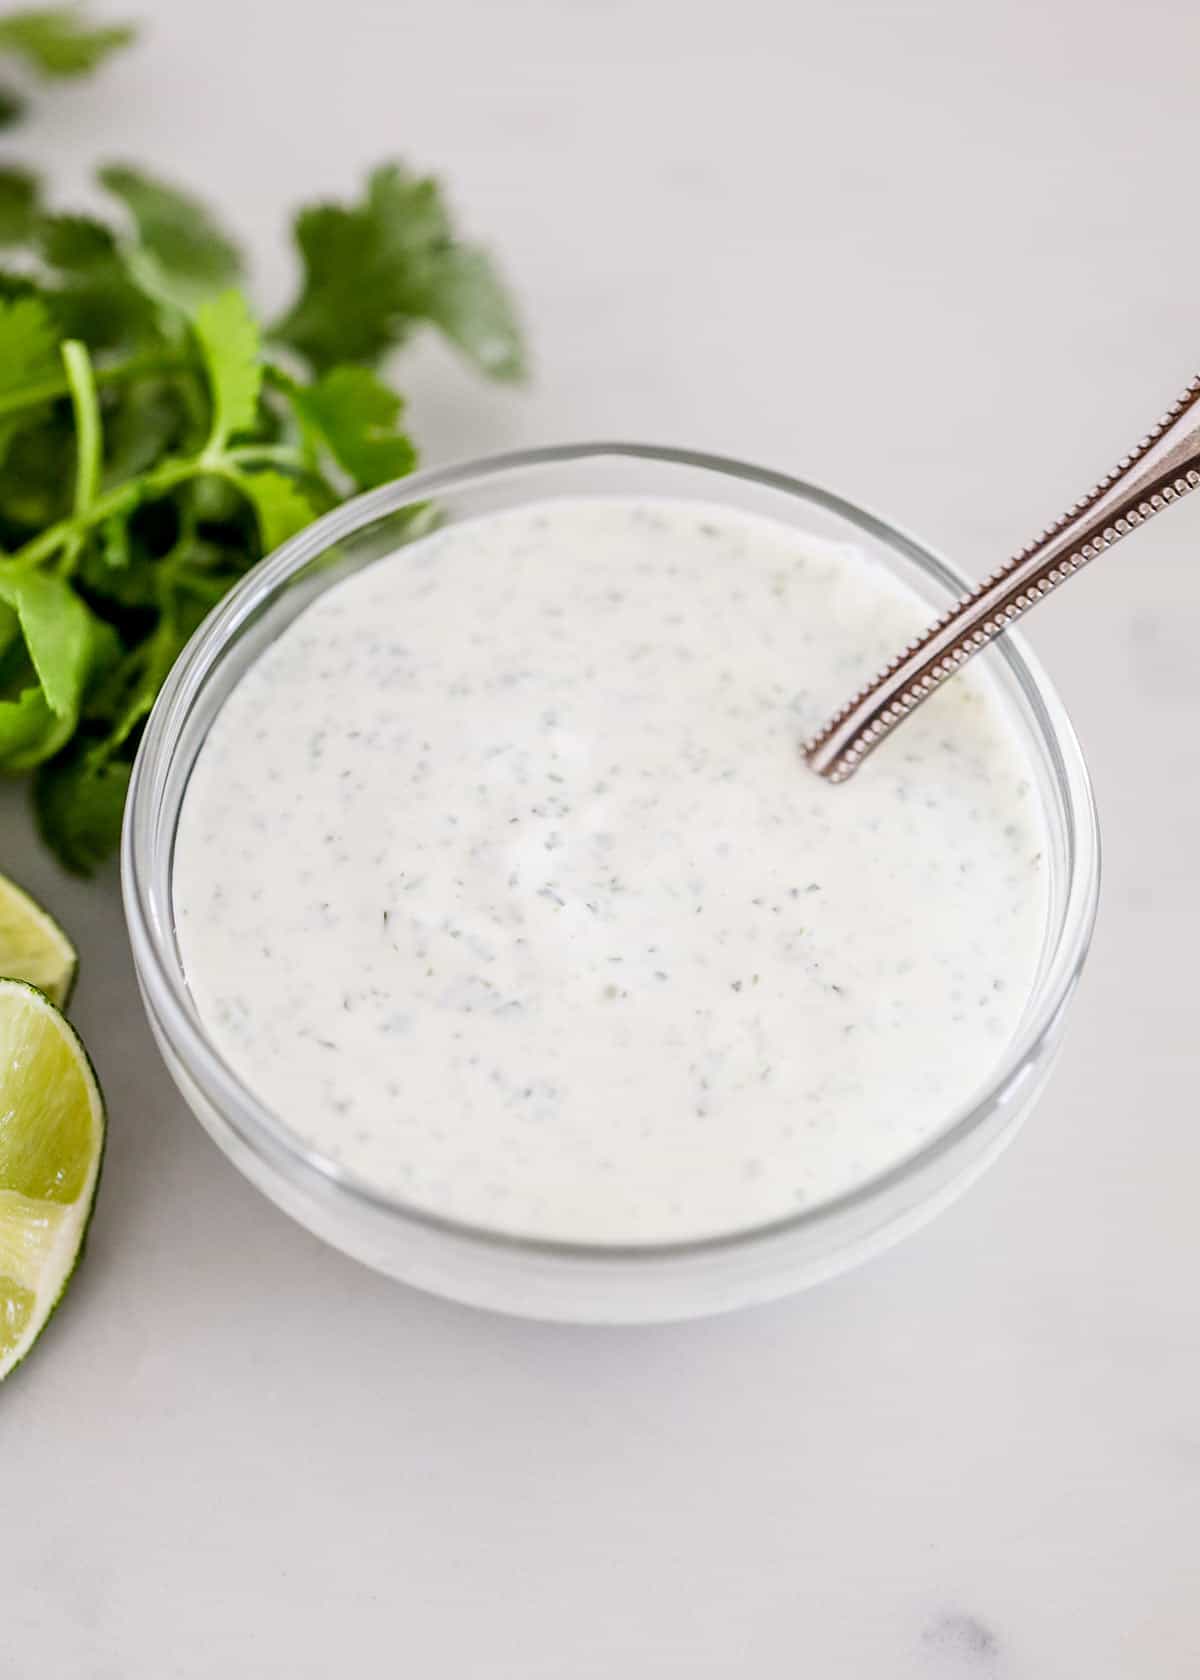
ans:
(1164, 466)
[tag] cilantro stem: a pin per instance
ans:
(268, 455)
(132, 367)
(86, 404)
(116, 502)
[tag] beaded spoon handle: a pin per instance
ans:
(1162, 469)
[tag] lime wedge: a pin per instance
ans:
(51, 1144)
(33, 947)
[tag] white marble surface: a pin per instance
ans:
(941, 256)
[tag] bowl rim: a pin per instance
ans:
(272, 1141)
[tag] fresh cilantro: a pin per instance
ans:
(464, 297)
(76, 244)
(152, 449)
(280, 505)
(57, 630)
(95, 296)
(35, 478)
(12, 107)
(375, 270)
(79, 803)
(29, 362)
(60, 649)
(346, 310)
(180, 249)
(29, 730)
(354, 415)
(229, 345)
(57, 41)
(28, 350)
(128, 582)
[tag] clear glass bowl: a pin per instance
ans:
(553, 1279)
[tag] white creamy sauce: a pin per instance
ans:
(500, 877)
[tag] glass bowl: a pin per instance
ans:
(540, 1278)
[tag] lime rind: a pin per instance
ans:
(42, 1239)
(33, 947)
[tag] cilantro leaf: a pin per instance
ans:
(149, 419)
(345, 312)
(280, 505)
(35, 472)
(409, 210)
(56, 40)
(57, 628)
(79, 799)
(466, 298)
(361, 264)
(96, 298)
(450, 284)
(133, 584)
(189, 254)
(59, 649)
(29, 730)
(374, 270)
(28, 357)
(76, 243)
(12, 107)
(28, 344)
(354, 415)
(18, 205)
(229, 343)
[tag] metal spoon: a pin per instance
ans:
(1162, 469)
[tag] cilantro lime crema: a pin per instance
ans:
(501, 880)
